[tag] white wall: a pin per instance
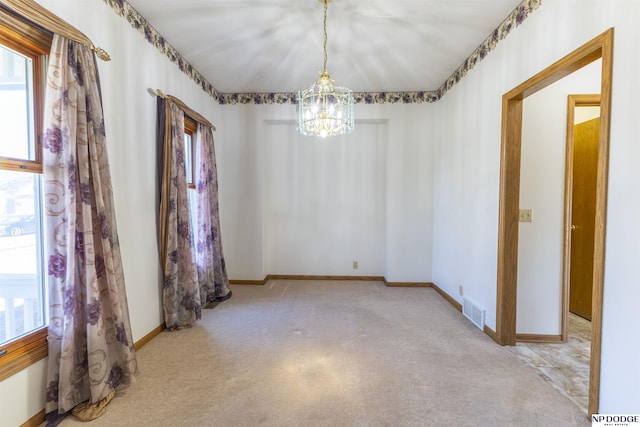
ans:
(467, 158)
(239, 147)
(306, 206)
(466, 173)
(584, 114)
(409, 209)
(542, 173)
(314, 224)
(130, 120)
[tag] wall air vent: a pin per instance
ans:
(473, 312)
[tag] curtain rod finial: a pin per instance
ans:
(101, 53)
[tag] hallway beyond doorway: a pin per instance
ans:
(564, 365)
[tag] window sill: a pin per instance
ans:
(23, 353)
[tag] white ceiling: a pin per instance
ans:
(260, 46)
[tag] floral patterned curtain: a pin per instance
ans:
(90, 343)
(212, 273)
(181, 292)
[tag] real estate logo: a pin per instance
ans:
(601, 420)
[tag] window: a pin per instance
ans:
(23, 316)
(190, 129)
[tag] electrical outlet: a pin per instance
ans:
(355, 265)
(525, 215)
(460, 289)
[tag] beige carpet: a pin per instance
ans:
(323, 353)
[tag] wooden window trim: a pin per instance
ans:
(21, 35)
(25, 33)
(23, 352)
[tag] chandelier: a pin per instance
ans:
(324, 109)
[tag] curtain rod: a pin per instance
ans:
(192, 113)
(46, 19)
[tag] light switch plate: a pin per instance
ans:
(525, 215)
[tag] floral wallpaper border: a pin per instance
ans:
(137, 21)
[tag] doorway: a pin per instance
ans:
(512, 103)
(583, 134)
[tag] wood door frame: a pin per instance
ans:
(573, 101)
(601, 47)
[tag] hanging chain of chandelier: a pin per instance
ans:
(325, 109)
